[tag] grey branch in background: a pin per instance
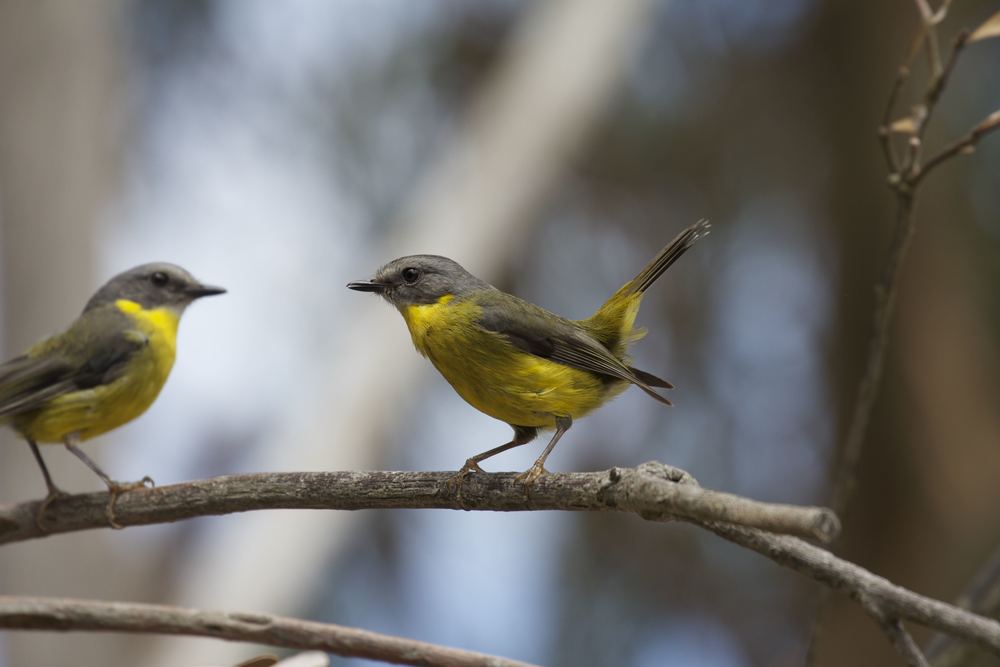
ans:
(893, 628)
(982, 597)
(860, 584)
(67, 614)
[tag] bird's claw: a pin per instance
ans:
(471, 466)
(457, 481)
(55, 493)
(528, 478)
(115, 489)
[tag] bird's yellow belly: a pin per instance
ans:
(91, 412)
(499, 379)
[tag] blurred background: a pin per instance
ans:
(283, 149)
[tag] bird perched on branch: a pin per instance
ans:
(105, 370)
(516, 361)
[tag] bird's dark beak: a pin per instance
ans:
(198, 291)
(367, 286)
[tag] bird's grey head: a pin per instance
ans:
(156, 285)
(420, 279)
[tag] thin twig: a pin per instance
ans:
(893, 628)
(901, 173)
(928, 22)
(650, 490)
(963, 145)
(938, 83)
(65, 614)
(982, 597)
(884, 130)
(885, 301)
(922, 114)
(846, 577)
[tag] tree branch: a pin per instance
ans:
(859, 584)
(650, 490)
(936, 86)
(27, 613)
(903, 179)
(893, 628)
(653, 490)
(905, 176)
(868, 388)
(963, 145)
(885, 129)
(982, 597)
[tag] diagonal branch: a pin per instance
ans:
(859, 584)
(65, 614)
(893, 628)
(982, 597)
(937, 84)
(868, 388)
(962, 145)
(650, 490)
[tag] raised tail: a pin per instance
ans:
(612, 323)
(670, 254)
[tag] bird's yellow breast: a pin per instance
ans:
(91, 412)
(422, 319)
(493, 375)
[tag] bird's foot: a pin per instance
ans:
(457, 481)
(55, 493)
(115, 489)
(528, 478)
(471, 466)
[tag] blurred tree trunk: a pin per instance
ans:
(60, 113)
(861, 219)
(934, 425)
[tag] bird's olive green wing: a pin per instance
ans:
(95, 350)
(27, 383)
(544, 334)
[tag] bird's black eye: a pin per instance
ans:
(410, 275)
(159, 279)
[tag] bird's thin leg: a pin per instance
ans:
(522, 436)
(537, 469)
(54, 491)
(115, 488)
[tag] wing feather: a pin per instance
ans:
(94, 351)
(536, 331)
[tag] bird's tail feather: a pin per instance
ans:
(612, 323)
(650, 379)
(670, 254)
